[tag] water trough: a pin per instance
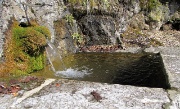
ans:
(138, 69)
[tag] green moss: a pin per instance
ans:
(18, 34)
(18, 73)
(43, 30)
(37, 62)
(27, 48)
(31, 39)
(34, 42)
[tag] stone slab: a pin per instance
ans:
(171, 60)
(166, 51)
(130, 50)
(175, 98)
(172, 67)
(71, 94)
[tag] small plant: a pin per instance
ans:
(149, 5)
(156, 11)
(78, 37)
(153, 4)
(84, 3)
(69, 19)
(106, 4)
(93, 3)
(156, 15)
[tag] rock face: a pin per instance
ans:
(94, 22)
(98, 30)
(1, 33)
(104, 23)
(64, 40)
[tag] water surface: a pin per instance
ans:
(144, 69)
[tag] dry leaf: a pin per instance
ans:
(57, 85)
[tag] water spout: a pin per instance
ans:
(49, 59)
(55, 59)
(53, 55)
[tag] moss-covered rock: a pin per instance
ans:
(25, 49)
(29, 39)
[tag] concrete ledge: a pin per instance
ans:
(171, 60)
(167, 51)
(71, 94)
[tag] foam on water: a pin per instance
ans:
(73, 73)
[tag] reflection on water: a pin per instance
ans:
(114, 68)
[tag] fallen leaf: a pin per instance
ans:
(96, 95)
(14, 94)
(57, 85)
(14, 89)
